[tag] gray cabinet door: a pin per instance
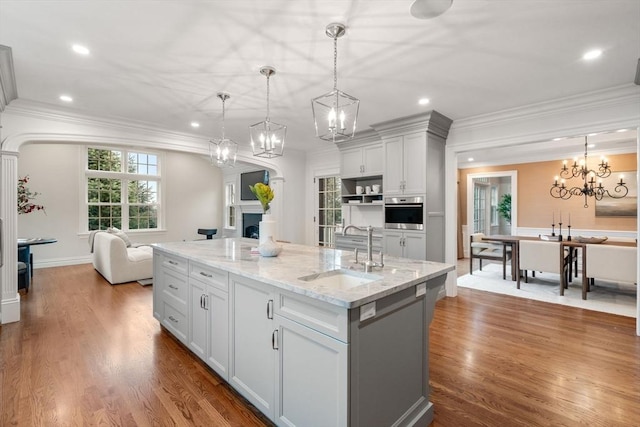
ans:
(312, 377)
(252, 367)
(393, 167)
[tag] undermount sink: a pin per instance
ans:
(341, 278)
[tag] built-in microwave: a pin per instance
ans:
(404, 213)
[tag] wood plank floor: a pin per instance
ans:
(88, 353)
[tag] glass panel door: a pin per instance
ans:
(329, 209)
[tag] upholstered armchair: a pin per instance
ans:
(544, 256)
(481, 249)
(612, 263)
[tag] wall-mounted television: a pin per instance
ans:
(252, 178)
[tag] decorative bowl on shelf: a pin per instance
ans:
(582, 239)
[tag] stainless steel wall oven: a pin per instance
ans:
(404, 213)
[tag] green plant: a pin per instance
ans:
(263, 193)
(504, 207)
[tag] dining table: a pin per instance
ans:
(25, 254)
(572, 245)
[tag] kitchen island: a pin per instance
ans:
(306, 337)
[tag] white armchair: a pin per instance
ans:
(481, 249)
(612, 263)
(544, 256)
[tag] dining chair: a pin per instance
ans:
(481, 249)
(612, 263)
(544, 256)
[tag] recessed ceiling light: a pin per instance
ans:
(593, 134)
(79, 49)
(592, 54)
(470, 159)
(423, 101)
(592, 145)
(559, 138)
(195, 124)
(66, 98)
(622, 130)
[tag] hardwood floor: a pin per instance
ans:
(88, 353)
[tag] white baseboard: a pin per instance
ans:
(61, 262)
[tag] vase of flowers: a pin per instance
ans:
(26, 197)
(267, 226)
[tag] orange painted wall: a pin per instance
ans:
(535, 204)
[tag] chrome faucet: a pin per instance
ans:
(369, 263)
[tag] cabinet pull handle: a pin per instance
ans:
(274, 339)
(173, 319)
(206, 302)
(173, 287)
(202, 273)
(172, 262)
(202, 301)
(270, 309)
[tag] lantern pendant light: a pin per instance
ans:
(223, 151)
(267, 137)
(335, 113)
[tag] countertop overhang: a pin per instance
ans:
(284, 271)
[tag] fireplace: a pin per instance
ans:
(250, 227)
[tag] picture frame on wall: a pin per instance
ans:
(624, 207)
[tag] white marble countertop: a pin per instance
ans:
(295, 261)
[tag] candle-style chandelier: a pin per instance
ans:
(267, 137)
(589, 187)
(335, 113)
(223, 151)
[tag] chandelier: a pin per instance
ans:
(588, 176)
(223, 151)
(335, 113)
(267, 137)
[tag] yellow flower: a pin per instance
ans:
(263, 193)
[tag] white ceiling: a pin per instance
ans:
(162, 62)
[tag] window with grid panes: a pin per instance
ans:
(122, 189)
(329, 209)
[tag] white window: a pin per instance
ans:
(230, 205)
(495, 220)
(122, 189)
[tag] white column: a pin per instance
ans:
(277, 208)
(451, 215)
(10, 304)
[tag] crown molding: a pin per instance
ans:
(8, 88)
(432, 122)
(551, 119)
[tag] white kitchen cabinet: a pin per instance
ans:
(404, 170)
(253, 354)
(405, 244)
(306, 357)
(198, 318)
(173, 294)
(362, 161)
(209, 325)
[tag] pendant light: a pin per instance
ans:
(267, 137)
(223, 151)
(335, 113)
